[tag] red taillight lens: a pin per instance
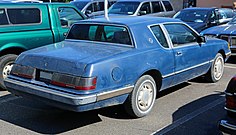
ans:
(231, 102)
(79, 83)
(23, 71)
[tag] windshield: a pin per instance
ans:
(79, 4)
(192, 16)
(100, 33)
(233, 21)
(126, 8)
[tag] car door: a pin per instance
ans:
(191, 58)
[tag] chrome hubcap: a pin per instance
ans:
(218, 68)
(145, 95)
(6, 70)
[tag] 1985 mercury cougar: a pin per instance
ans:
(106, 62)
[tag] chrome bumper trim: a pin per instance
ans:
(228, 54)
(63, 97)
(227, 125)
(231, 110)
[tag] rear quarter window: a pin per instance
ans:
(24, 15)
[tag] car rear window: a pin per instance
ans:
(100, 33)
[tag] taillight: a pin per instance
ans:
(78, 83)
(231, 102)
(23, 71)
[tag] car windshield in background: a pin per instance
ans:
(192, 16)
(79, 4)
(127, 8)
(100, 33)
(233, 21)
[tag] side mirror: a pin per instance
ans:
(88, 12)
(201, 39)
(142, 12)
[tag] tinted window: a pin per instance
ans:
(157, 7)
(93, 7)
(101, 33)
(180, 34)
(160, 36)
(3, 17)
(146, 7)
(79, 4)
(24, 15)
(110, 3)
(68, 16)
(167, 6)
(127, 8)
(192, 15)
(101, 6)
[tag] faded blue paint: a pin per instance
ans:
(119, 66)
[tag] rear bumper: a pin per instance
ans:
(227, 127)
(59, 98)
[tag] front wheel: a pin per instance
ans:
(217, 68)
(6, 63)
(142, 98)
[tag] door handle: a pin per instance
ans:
(178, 53)
(64, 34)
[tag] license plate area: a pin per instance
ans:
(44, 76)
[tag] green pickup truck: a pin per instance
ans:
(26, 26)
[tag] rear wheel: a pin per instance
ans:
(217, 68)
(142, 98)
(6, 63)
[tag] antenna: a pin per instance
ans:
(106, 9)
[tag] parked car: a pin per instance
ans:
(229, 126)
(91, 8)
(161, 8)
(26, 26)
(199, 18)
(226, 32)
(225, 15)
(105, 62)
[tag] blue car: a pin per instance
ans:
(105, 62)
(226, 32)
(199, 18)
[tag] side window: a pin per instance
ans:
(212, 16)
(92, 7)
(157, 7)
(180, 34)
(146, 7)
(3, 17)
(101, 6)
(167, 6)
(24, 15)
(160, 36)
(68, 16)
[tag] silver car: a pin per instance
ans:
(161, 8)
(91, 8)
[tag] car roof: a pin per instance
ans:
(200, 8)
(128, 20)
